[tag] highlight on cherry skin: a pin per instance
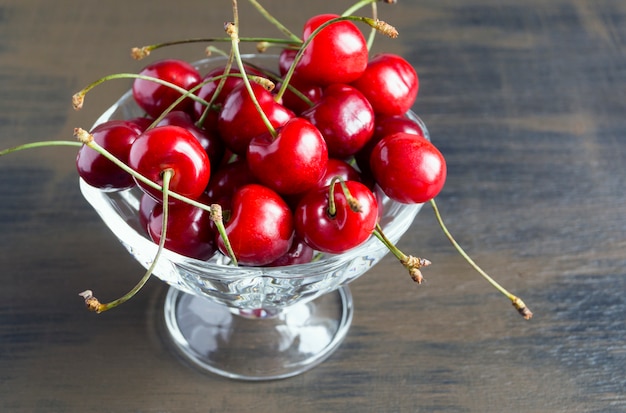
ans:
(270, 166)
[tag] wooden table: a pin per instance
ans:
(525, 99)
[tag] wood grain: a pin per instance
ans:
(525, 99)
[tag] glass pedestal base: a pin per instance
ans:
(255, 345)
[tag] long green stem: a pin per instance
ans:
(293, 38)
(516, 301)
(79, 97)
(39, 144)
(139, 53)
(233, 31)
(92, 302)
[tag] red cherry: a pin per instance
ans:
(390, 83)
(408, 168)
(345, 119)
(116, 136)
(171, 147)
(260, 229)
(153, 97)
(209, 139)
(337, 54)
(291, 163)
(384, 126)
(239, 120)
(189, 230)
(345, 229)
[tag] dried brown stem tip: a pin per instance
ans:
(385, 28)
(139, 53)
(265, 82)
(230, 29)
(262, 47)
(77, 100)
(216, 212)
(91, 302)
(413, 264)
(82, 135)
(522, 309)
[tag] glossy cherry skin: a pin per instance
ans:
(153, 97)
(116, 136)
(175, 148)
(292, 162)
(345, 119)
(189, 230)
(343, 231)
(260, 229)
(337, 54)
(209, 139)
(239, 121)
(390, 83)
(408, 168)
(384, 126)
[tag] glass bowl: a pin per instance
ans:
(248, 323)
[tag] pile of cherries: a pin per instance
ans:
(269, 166)
(294, 169)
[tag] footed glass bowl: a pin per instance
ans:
(248, 323)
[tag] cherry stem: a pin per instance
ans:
(92, 302)
(87, 139)
(293, 38)
(379, 25)
(516, 301)
(353, 203)
(39, 145)
(79, 97)
(232, 29)
(410, 262)
(139, 53)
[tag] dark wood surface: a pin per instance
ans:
(526, 100)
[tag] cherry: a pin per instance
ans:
(260, 228)
(153, 97)
(408, 168)
(239, 120)
(383, 126)
(292, 162)
(337, 54)
(175, 148)
(189, 230)
(116, 136)
(390, 83)
(209, 139)
(342, 229)
(344, 117)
